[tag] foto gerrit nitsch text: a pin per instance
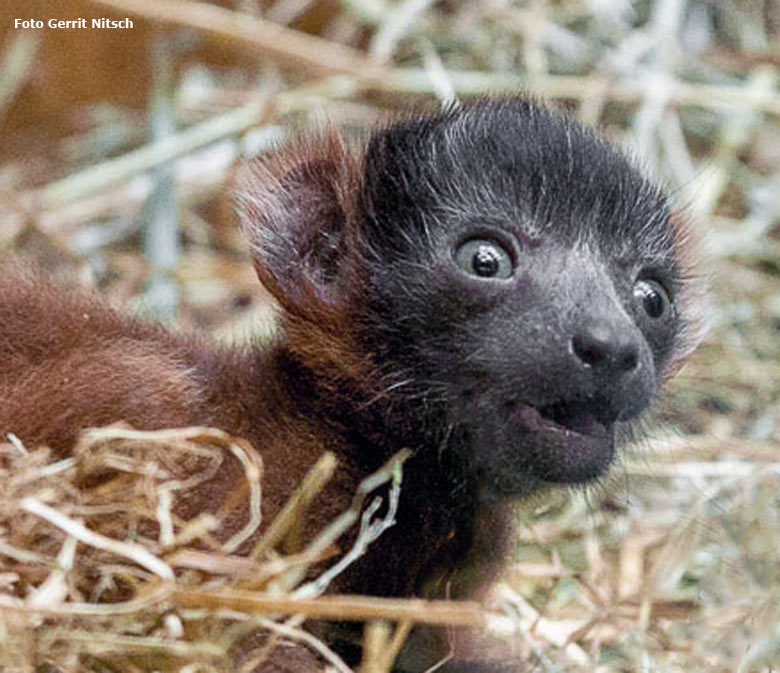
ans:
(75, 24)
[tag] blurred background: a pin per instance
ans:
(119, 149)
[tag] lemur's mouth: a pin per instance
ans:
(566, 442)
(562, 417)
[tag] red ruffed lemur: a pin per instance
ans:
(492, 286)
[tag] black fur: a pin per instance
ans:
(501, 387)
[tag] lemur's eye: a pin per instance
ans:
(652, 297)
(484, 258)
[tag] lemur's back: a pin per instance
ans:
(70, 362)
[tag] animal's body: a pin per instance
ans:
(493, 287)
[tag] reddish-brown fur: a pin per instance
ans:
(69, 362)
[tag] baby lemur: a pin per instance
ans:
(492, 286)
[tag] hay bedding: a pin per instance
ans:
(100, 573)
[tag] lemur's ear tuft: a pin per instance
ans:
(692, 297)
(296, 206)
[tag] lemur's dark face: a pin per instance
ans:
(525, 280)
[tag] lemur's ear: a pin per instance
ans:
(296, 206)
(692, 299)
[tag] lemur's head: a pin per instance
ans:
(503, 268)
